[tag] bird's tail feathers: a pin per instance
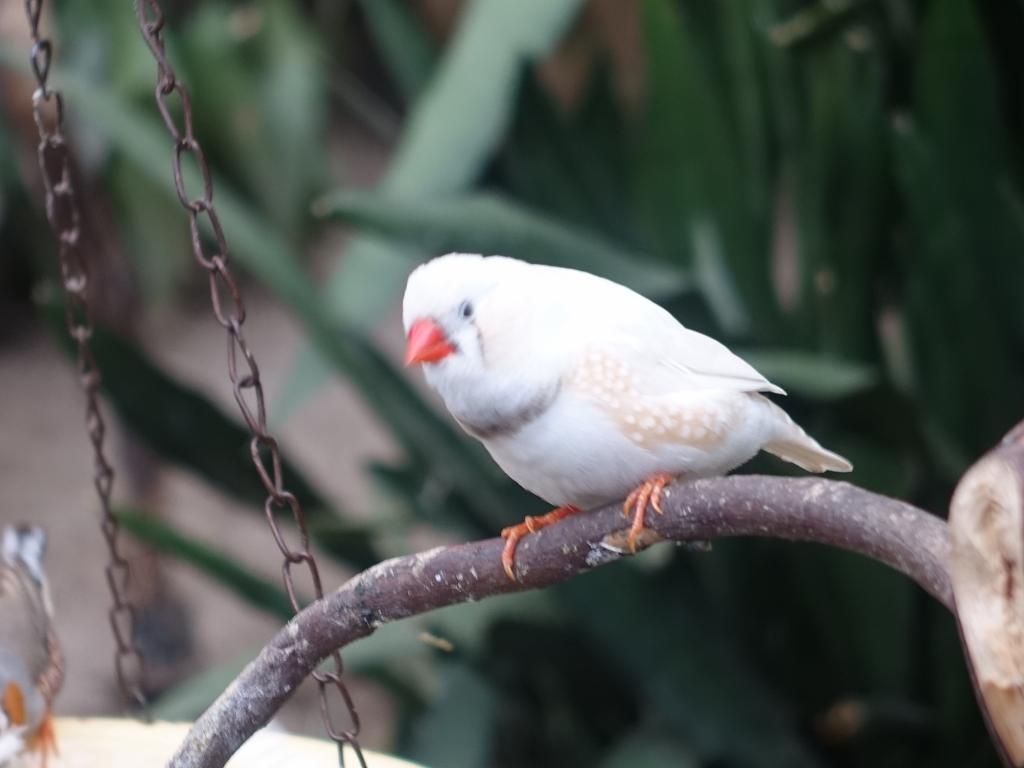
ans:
(809, 455)
(794, 445)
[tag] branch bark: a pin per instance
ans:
(903, 537)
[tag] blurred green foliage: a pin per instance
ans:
(833, 189)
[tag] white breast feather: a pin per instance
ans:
(12, 743)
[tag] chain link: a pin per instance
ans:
(62, 213)
(243, 372)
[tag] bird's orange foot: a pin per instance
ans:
(514, 533)
(647, 493)
(44, 740)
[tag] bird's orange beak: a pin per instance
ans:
(426, 343)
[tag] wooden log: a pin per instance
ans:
(986, 523)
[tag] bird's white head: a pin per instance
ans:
(481, 327)
(446, 301)
(461, 310)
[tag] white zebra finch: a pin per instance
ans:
(584, 391)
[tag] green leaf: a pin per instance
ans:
(465, 110)
(405, 47)
(958, 90)
(952, 163)
(262, 250)
(843, 630)
(409, 487)
(374, 273)
(189, 699)
(293, 94)
(750, 99)
(491, 224)
(649, 751)
(369, 279)
(810, 375)
(692, 677)
(104, 44)
(571, 167)
(879, 465)
(457, 729)
(475, 83)
(450, 135)
(8, 168)
(824, 20)
(468, 625)
(960, 112)
(562, 702)
(179, 422)
(967, 334)
(453, 459)
(687, 177)
(840, 201)
(154, 242)
(310, 370)
(388, 651)
(712, 274)
(251, 588)
(259, 113)
(184, 427)
(875, 628)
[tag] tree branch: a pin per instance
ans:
(903, 537)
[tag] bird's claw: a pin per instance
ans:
(44, 741)
(512, 534)
(531, 524)
(648, 493)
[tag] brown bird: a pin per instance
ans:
(31, 665)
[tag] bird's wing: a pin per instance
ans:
(688, 360)
(26, 625)
(660, 352)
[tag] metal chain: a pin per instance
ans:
(229, 310)
(62, 213)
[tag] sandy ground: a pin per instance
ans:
(45, 477)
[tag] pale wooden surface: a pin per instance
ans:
(119, 743)
(986, 516)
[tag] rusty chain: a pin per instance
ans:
(229, 311)
(63, 214)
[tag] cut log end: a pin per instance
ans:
(987, 569)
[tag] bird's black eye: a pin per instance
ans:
(465, 310)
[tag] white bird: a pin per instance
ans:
(584, 391)
(31, 669)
